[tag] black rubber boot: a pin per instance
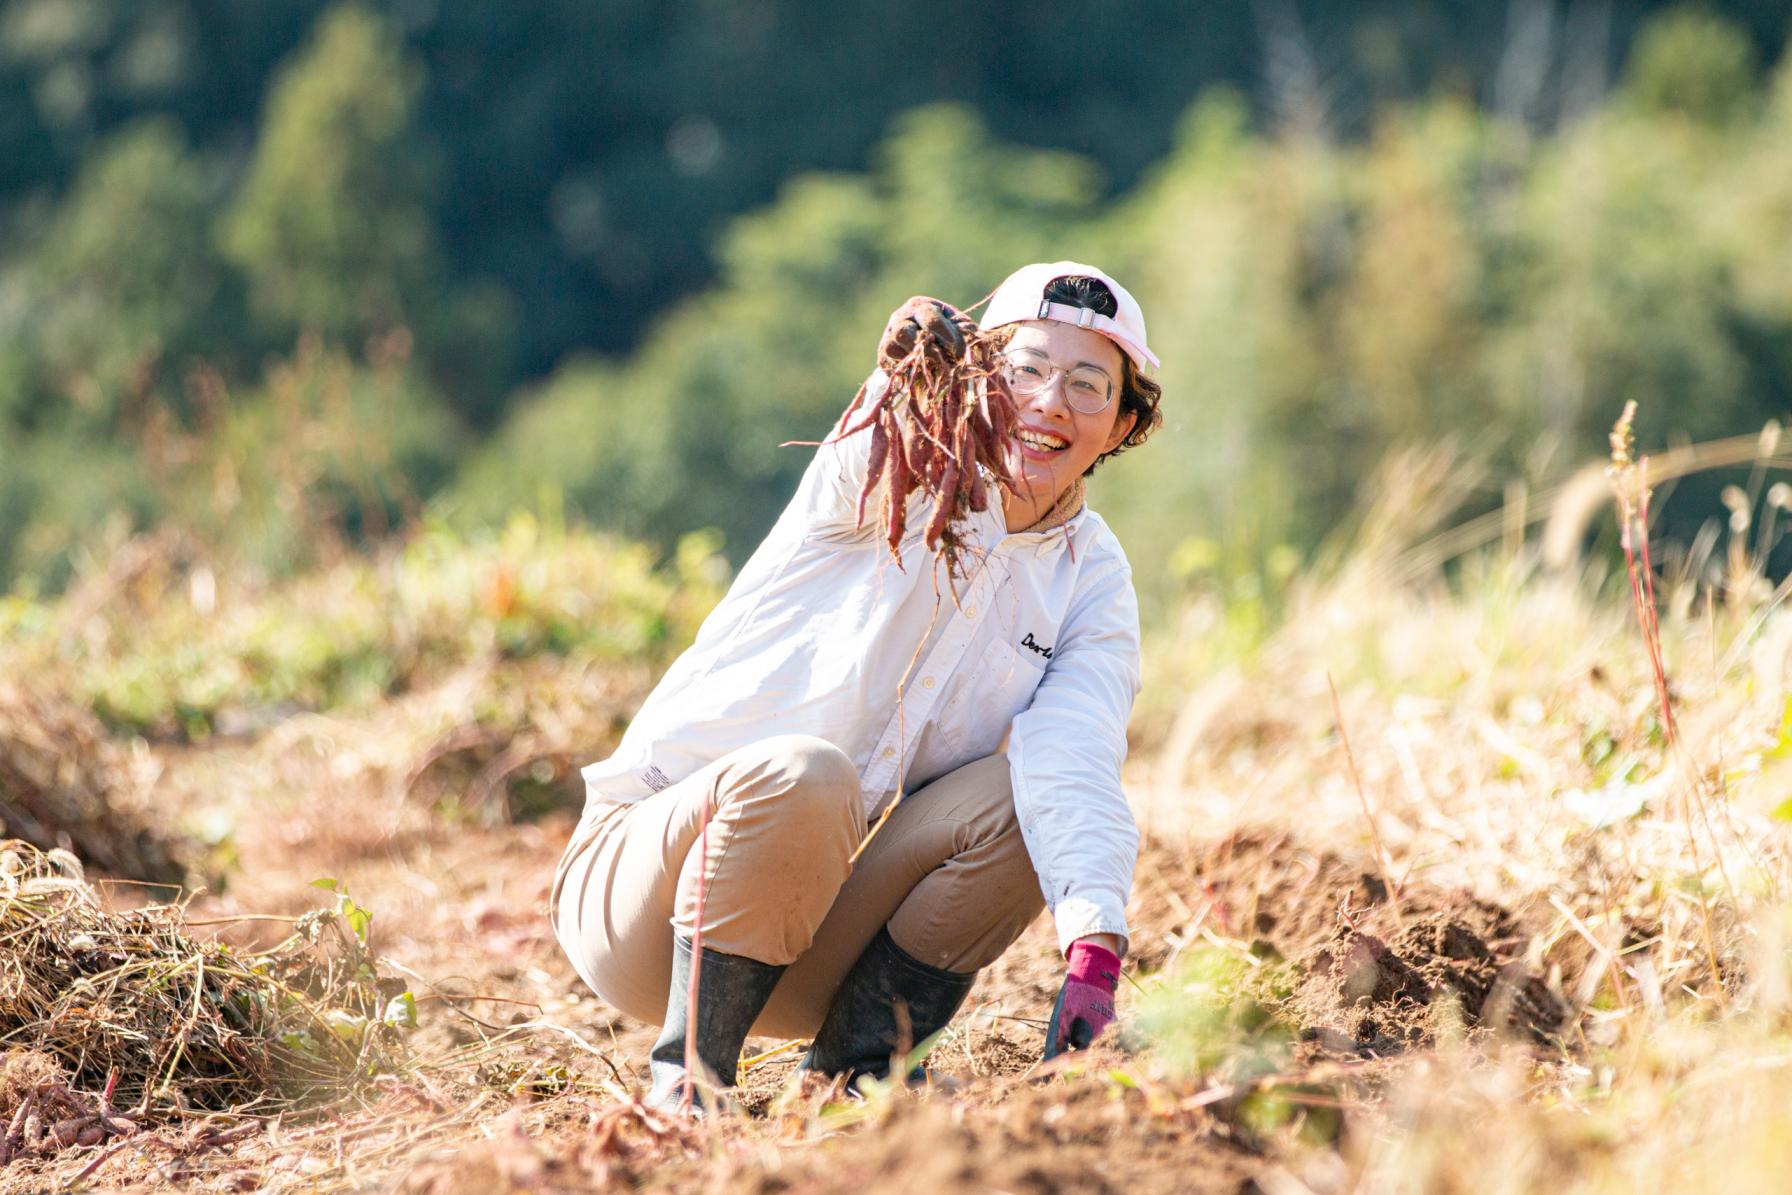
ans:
(731, 991)
(863, 1028)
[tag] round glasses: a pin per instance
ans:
(1087, 389)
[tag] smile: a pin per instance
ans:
(1043, 443)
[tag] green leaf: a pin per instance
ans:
(1783, 811)
(401, 1011)
(326, 883)
(358, 918)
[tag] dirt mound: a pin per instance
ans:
(1256, 887)
(64, 784)
(1359, 993)
(1370, 971)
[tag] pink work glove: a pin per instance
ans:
(1086, 1001)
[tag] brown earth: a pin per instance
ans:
(522, 1074)
(64, 784)
(1375, 968)
(1358, 993)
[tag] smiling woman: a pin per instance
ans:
(1138, 394)
(1067, 373)
(726, 877)
(1058, 372)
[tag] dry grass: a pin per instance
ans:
(1513, 745)
(103, 1010)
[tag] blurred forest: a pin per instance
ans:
(292, 276)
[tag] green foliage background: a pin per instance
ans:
(292, 276)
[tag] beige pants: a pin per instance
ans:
(948, 874)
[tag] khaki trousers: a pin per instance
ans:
(949, 874)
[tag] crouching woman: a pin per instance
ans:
(783, 726)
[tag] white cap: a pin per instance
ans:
(1022, 297)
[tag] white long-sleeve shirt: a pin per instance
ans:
(820, 628)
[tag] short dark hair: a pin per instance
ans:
(1139, 395)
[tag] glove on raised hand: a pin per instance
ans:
(939, 322)
(1086, 1001)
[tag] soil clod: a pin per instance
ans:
(1385, 997)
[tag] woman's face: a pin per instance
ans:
(1055, 443)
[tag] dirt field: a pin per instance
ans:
(1528, 927)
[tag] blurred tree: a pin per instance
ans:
(1630, 288)
(324, 454)
(687, 433)
(1451, 277)
(1405, 317)
(72, 72)
(1693, 62)
(16, 498)
(69, 493)
(588, 154)
(1212, 246)
(332, 227)
(1751, 213)
(132, 289)
(1627, 295)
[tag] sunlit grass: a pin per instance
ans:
(170, 646)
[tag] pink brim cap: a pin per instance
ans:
(1022, 297)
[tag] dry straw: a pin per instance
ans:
(169, 1024)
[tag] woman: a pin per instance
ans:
(827, 681)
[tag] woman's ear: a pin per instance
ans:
(1122, 428)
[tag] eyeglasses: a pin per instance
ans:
(1087, 389)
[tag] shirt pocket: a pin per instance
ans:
(997, 689)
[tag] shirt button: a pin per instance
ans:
(889, 751)
(970, 611)
(927, 682)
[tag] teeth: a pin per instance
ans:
(1042, 440)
